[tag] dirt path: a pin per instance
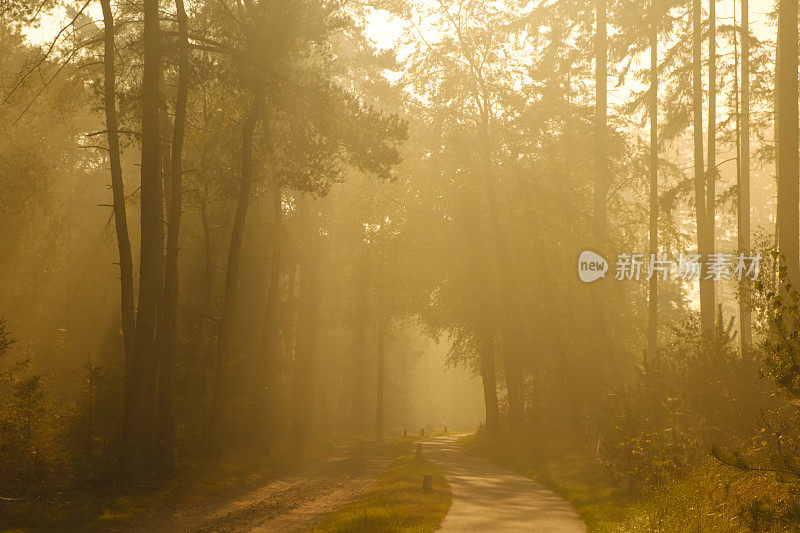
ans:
(291, 504)
(488, 497)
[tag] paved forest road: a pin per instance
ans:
(489, 498)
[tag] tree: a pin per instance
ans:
(712, 173)
(271, 340)
(602, 177)
(787, 138)
(652, 331)
(166, 334)
(255, 114)
(743, 181)
(137, 454)
(704, 247)
(306, 337)
(118, 187)
(470, 54)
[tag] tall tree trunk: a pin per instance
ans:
(489, 379)
(787, 137)
(127, 302)
(209, 321)
(168, 311)
(304, 382)
(776, 126)
(743, 205)
(381, 367)
(652, 308)
(711, 173)
(482, 307)
(602, 178)
(139, 414)
(270, 342)
(118, 188)
(228, 312)
(599, 294)
(359, 350)
(511, 332)
(711, 176)
(703, 248)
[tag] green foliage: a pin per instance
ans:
(639, 452)
(27, 432)
(48, 446)
(781, 344)
(6, 340)
(773, 447)
(687, 398)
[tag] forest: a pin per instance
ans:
(338, 265)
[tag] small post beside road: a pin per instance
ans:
(427, 483)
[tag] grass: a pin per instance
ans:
(574, 476)
(396, 502)
(709, 499)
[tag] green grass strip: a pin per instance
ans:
(396, 502)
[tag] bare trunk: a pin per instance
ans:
(703, 247)
(787, 137)
(652, 308)
(602, 178)
(489, 379)
(599, 295)
(270, 344)
(118, 189)
(359, 350)
(168, 312)
(711, 175)
(512, 369)
(232, 271)
(745, 327)
(380, 385)
(304, 383)
(511, 334)
(207, 310)
(136, 461)
(482, 308)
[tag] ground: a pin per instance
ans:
(361, 486)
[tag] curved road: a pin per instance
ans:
(488, 497)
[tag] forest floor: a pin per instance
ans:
(297, 498)
(293, 503)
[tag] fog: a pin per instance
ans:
(244, 231)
